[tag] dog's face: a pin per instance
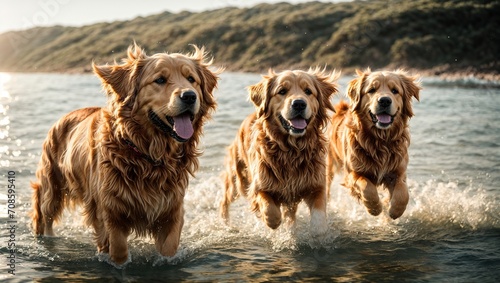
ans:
(383, 97)
(173, 91)
(292, 101)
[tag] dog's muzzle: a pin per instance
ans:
(181, 125)
(382, 118)
(297, 123)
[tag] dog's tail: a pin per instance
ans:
(36, 215)
(341, 108)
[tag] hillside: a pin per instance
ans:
(436, 36)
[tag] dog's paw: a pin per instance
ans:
(272, 221)
(396, 211)
(104, 257)
(374, 208)
(318, 225)
(399, 201)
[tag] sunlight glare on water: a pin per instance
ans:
(4, 78)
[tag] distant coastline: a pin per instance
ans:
(447, 39)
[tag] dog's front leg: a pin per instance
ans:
(367, 192)
(288, 214)
(229, 196)
(399, 198)
(269, 210)
(169, 235)
(317, 208)
(118, 249)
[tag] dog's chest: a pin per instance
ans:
(290, 175)
(143, 195)
(377, 161)
(152, 201)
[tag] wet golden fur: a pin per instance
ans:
(372, 154)
(127, 173)
(274, 167)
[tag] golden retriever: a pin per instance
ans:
(278, 157)
(128, 164)
(369, 138)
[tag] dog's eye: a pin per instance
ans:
(394, 91)
(372, 90)
(282, 91)
(161, 80)
(308, 91)
(191, 79)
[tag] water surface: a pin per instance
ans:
(450, 231)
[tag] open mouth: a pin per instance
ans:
(382, 120)
(182, 126)
(295, 125)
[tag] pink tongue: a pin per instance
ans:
(384, 118)
(183, 126)
(298, 123)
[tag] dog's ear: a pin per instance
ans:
(329, 88)
(259, 93)
(120, 79)
(355, 88)
(256, 93)
(208, 78)
(411, 88)
(326, 84)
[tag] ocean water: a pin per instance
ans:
(450, 231)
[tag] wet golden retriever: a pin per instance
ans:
(278, 157)
(128, 163)
(369, 138)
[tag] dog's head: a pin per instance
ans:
(170, 92)
(294, 101)
(381, 98)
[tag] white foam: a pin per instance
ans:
(431, 203)
(439, 202)
(104, 257)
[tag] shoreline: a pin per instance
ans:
(493, 76)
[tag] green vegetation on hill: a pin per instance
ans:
(443, 36)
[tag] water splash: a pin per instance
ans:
(103, 257)
(436, 209)
(433, 206)
(442, 203)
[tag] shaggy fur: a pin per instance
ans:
(128, 164)
(278, 156)
(370, 138)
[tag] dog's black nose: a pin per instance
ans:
(299, 104)
(384, 101)
(188, 97)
